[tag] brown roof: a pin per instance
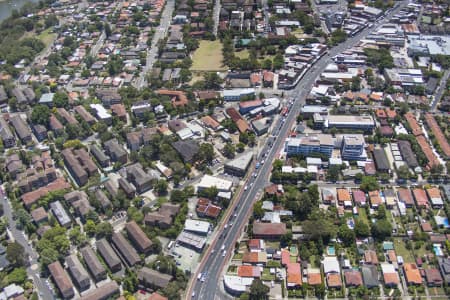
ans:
(179, 97)
(412, 273)
(39, 214)
(370, 257)
(118, 110)
(405, 196)
(426, 227)
(434, 193)
(353, 278)
(433, 276)
(269, 229)
(440, 137)
(32, 197)
(391, 278)
(429, 154)
(60, 278)
(314, 278)
(207, 95)
(237, 118)
(249, 271)
(156, 296)
(334, 280)
(392, 256)
(139, 238)
(210, 122)
(343, 195)
(412, 122)
(375, 198)
(254, 257)
(102, 292)
(421, 197)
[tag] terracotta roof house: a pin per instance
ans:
(294, 275)
(421, 198)
(138, 237)
(426, 226)
(255, 258)
(375, 199)
(370, 257)
(353, 278)
(249, 271)
(268, 230)
(314, 278)
(439, 135)
(359, 197)
(392, 257)
(435, 197)
(39, 215)
(179, 98)
(285, 257)
(211, 123)
(412, 274)
(256, 245)
(405, 196)
(334, 280)
(61, 280)
(156, 296)
(343, 195)
(433, 277)
(412, 122)
(205, 208)
(390, 275)
(153, 279)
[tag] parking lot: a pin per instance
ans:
(187, 259)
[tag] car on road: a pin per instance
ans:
(224, 253)
(245, 188)
(255, 174)
(226, 226)
(193, 294)
(223, 247)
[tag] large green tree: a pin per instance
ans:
(258, 290)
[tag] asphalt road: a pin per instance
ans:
(152, 52)
(214, 259)
(33, 269)
(440, 90)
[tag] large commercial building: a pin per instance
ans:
(239, 165)
(353, 147)
(306, 145)
(365, 123)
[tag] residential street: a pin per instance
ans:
(152, 52)
(33, 269)
(213, 262)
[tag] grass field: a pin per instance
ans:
(242, 54)
(47, 37)
(208, 57)
(400, 250)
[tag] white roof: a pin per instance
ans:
(101, 111)
(236, 283)
(210, 181)
(387, 268)
(313, 161)
(331, 265)
(185, 133)
(196, 226)
(238, 92)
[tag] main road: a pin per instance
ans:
(214, 259)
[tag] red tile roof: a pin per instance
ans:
(179, 99)
(412, 274)
(353, 278)
(405, 196)
(156, 296)
(421, 197)
(269, 229)
(285, 257)
(249, 271)
(294, 275)
(440, 137)
(412, 122)
(334, 280)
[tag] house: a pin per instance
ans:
(370, 276)
(109, 256)
(381, 161)
(13, 165)
(375, 199)
(205, 208)
(80, 202)
(294, 275)
(39, 215)
(78, 272)
(390, 275)
(434, 195)
(353, 278)
(163, 217)
(128, 253)
(138, 237)
(153, 279)
(209, 181)
(314, 277)
(60, 214)
(99, 155)
(390, 197)
(94, 265)
(101, 113)
(104, 292)
(412, 274)
(359, 197)
(84, 114)
(420, 197)
(240, 122)
(433, 277)
(256, 245)
(249, 271)
(255, 258)
(343, 195)
(334, 280)
(197, 227)
(444, 266)
(115, 151)
(79, 164)
(61, 280)
(187, 150)
(140, 179)
(370, 257)
(6, 135)
(268, 231)
(405, 196)
(22, 129)
(156, 296)
(102, 199)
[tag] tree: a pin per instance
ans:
(40, 115)
(346, 235)
(362, 230)
(229, 150)
(90, 227)
(60, 99)
(103, 229)
(240, 147)
(258, 290)
(258, 211)
(15, 254)
(18, 276)
(212, 80)
(369, 183)
(161, 187)
(77, 237)
(206, 153)
(381, 230)
(178, 196)
(333, 173)
(278, 61)
(403, 172)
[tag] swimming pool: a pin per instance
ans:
(437, 250)
(331, 250)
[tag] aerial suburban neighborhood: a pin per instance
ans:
(224, 149)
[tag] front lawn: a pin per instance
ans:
(208, 57)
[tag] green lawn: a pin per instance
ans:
(242, 54)
(208, 57)
(266, 276)
(363, 216)
(47, 37)
(400, 250)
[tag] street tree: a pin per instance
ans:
(258, 290)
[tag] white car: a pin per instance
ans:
(245, 188)
(223, 247)
(224, 253)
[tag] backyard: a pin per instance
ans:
(208, 57)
